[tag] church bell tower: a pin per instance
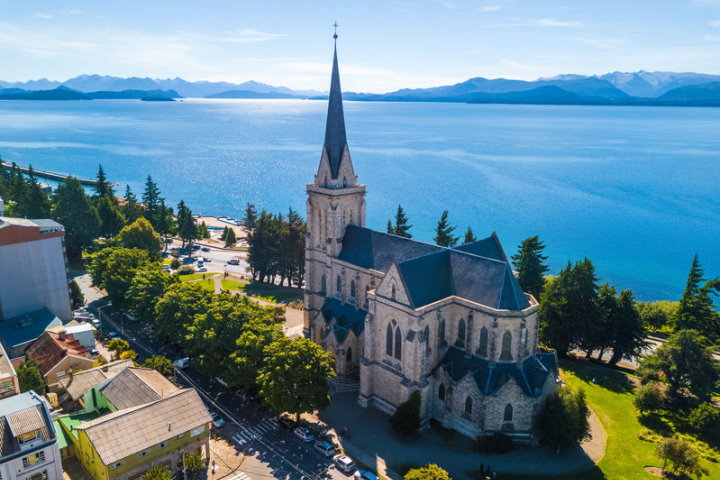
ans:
(335, 200)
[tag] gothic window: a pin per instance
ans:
(398, 343)
(392, 291)
(323, 285)
(507, 416)
(338, 287)
(468, 339)
(441, 392)
(348, 356)
(352, 291)
(389, 340)
(367, 289)
(461, 334)
(505, 353)
(427, 339)
(468, 406)
(483, 350)
(441, 335)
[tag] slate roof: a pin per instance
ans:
(335, 136)
(487, 247)
(51, 347)
(82, 382)
(132, 430)
(378, 250)
(25, 328)
(346, 316)
(135, 386)
(530, 376)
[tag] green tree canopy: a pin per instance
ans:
(73, 211)
(249, 355)
(161, 364)
(406, 419)
(158, 472)
(530, 265)
(680, 456)
(114, 269)
(151, 202)
(32, 201)
(117, 346)
(625, 331)
(76, 296)
(176, 310)
(295, 376)
(230, 239)
(111, 218)
(250, 217)
(428, 472)
(146, 289)
(186, 226)
(401, 226)
(444, 232)
(131, 210)
(696, 311)
(563, 421)
(30, 378)
(203, 231)
(140, 234)
(470, 237)
(103, 188)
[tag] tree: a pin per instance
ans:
(295, 377)
(625, 332)
(151, 200)
(117, 346)
(681, 456)
(140, 234)
(111, 219)
(30, 378)
(76, 296)
(146, 289)
(704, 418)
(176, 310)
(230, 239)
(250, 217)
(406, 419)
(194, 463)
(470, 237)
(103, 188)
(203, 231)
(161, 364)
(158, 472)
(34, 201)
(696, 310)
(401, 227)
(686, 364)
(444, 232)
(223, 235)
(74, 212)
(428, 472)
(249, 355)
(128, 355)
(114, 269)
(656, 315)
(648, 398)
(530, 265)
(187, 229)
(131, 210)
(563, 420)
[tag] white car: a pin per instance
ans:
(304, 434)
(326, 448)
(365, 475)
(182, 362)
(344, 463)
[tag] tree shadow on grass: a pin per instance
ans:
(603, 376)
(656, 423)
(592, 473)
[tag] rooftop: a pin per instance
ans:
(82, 382)
(53, 346)
(44, 224)
(17, 331)
(6, 367)
(20, 414)
(135, 386)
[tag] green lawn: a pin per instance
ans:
(610, 394)
(269, 293)
(232, 285)
(196, 276)
(208, 284)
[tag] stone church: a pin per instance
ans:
(403, 315)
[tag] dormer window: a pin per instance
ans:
(28, 437)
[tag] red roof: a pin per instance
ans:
(51, 347)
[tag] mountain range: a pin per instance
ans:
(616, 88)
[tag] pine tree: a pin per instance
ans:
(390, 228)
(131, 210)
(444, 232)
(230, 238)
(187, 229)
(696, 310)
(35, 202)
(401, 227)
(103, 188)
(151, 199)
(30, 378)
(250, 217)
(203, 230)
(224, 234)
(73, 211)
(111, 220)
(529, 263)
(469, 237)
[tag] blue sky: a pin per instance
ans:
(384, 44)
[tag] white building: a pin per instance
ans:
(29, 445)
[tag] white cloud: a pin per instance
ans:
(604, 43)
(41, 15)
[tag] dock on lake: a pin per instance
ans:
(59, 177)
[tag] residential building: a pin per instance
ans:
(27, 437)
(9, 385)
(403, 316)
(58, 354)
(77, 388)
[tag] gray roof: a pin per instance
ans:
(82, 382)
(27, 327)
(335, 136)
(136, 386)
(44, 224)
(132, 430)
(378, 250)
(346, 316)
(530, 375)
(21, 414)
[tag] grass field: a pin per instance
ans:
(610, 394)
(269, 293)
(196, 276)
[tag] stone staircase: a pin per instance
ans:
(343, 385)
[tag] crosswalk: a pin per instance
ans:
(250, 434)
(240, 476)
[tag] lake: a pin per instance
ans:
(635, 189)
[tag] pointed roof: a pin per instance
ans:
(335, 137)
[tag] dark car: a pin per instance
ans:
(286, 422)
(205, 249)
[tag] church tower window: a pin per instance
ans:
(323, 285)
(352, 292)
(398, 343)
(468, 406)
(338, 287)
(505, 353)
(389, 340)
(393, 340)
(367, 289)
(483, 349)
(507, 416)
(441, 392)
(426, 334)
(441, 334)
(461, 334)
(348, 356)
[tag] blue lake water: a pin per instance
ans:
(635, 189)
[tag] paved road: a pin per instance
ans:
(219, 258)
(251, 427)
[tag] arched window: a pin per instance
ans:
(398, 343)
(468, 406)
(505, 353)
(483, 349)
(323, 285)
(461, 334)
(392, 291)
(441, 392)
(338, 286)
(352, 291)
(389, 340)
(426, 335)
(367, 289)
(348, 356)
(441, 334)
(507, 416)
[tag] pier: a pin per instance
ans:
(59, 177)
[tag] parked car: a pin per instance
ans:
(207, 259)
(196, 247)
(344, 463)
(94, 352)
(286, 422)
(217, 420)
(205, 249)
(166, 267)
(182, 362)
(113, 335)
(202, 269)
(200, 262)
(326, 448)
(233, 261)
(304, 434)
(365, 475)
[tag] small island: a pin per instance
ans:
(157, 99)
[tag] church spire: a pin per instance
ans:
(335, 138)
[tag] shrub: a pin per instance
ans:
(648, 398)
(406, 419)
(703, 417)
(428, 472)
(681, 457)
(563, 420)
(495, 443)
(175, 264)
(185, 270)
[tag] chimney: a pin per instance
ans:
(61, 335)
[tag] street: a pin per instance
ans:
(219, 258)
